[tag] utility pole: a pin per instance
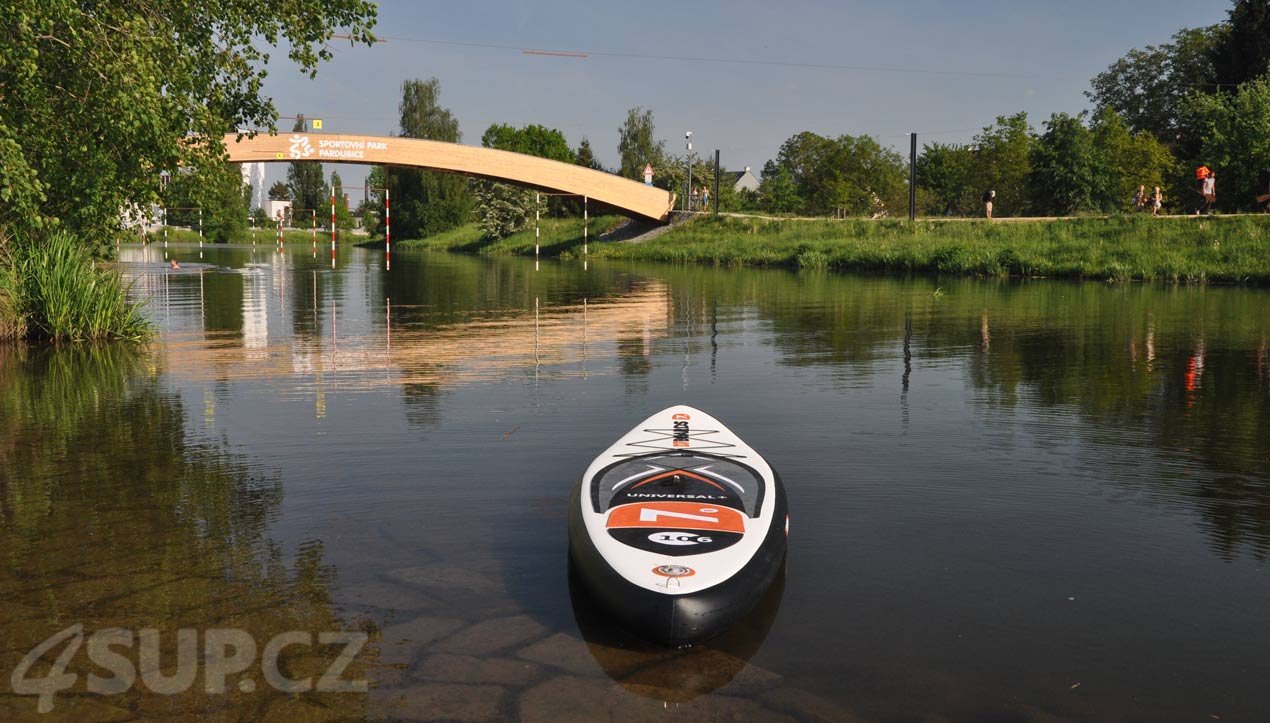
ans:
(912, 177)
(716, 181)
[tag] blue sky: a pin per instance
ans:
(942, 69)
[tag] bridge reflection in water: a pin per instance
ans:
(561, 338)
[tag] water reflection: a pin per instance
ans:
(992, 486)
(674, 676)
(113, 515)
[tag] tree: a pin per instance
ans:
(776, 192)
(636, 145)
(1146, 86)
(1065, 171)
(343, 219)
(85, 82)
(504, 209)
(533, 140)
(1002, 162)
(852, 173)
(427, 202)
(280, 191)
(1235, 133)
(947, 174)
(585, 157)
(1128, 160)
(1243, 51)
(304, 179)
(216, 192)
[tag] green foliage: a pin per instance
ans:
(673, 175)
(427, 202)
(505, 209)
(636, 145)
(853, 173)
(1146, 86)
(280, 191)
(1126, 161)
(1003, 162)
(305, 184)
(947, 173)
(533, 140)
(1066, 171)
(585, 157)
(1243, 51)
(777, 192)
(64, 296)
(501, 208)
(1234, 129)
(343, 218)
(218, 192)
(101, 97)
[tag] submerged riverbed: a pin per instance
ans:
(1010, 501)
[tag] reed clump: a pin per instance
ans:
(51, 288)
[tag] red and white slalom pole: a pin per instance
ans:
(314, 210)
(387, 233)
(332, 226)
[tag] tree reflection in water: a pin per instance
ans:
(113, 515)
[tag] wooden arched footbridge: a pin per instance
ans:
(630, 196)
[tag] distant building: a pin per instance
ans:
(740, 180)
(279, 210)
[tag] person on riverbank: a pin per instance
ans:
(174, 264)
(989, 196)
(1265, 198)
(692, 202)
(1209, 190)
(705, 199)
(1157, 200)
(1140, 199)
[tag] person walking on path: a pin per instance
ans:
(1209, 189)
(1140, 199)
(1157, 200)
(705, 199)
(989, 196)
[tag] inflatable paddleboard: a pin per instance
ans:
(678, 528)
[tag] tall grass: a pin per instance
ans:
(64, 296)
(12, 321)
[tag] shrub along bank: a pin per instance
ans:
(51, 288)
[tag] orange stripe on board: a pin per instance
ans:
(677, 516)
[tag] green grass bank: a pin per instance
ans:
(1121, 249)
(51, 288)
(1177, 249)
(259, 236)
(555, 237)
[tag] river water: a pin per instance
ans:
(1010, 501)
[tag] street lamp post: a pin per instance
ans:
(688, 190)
